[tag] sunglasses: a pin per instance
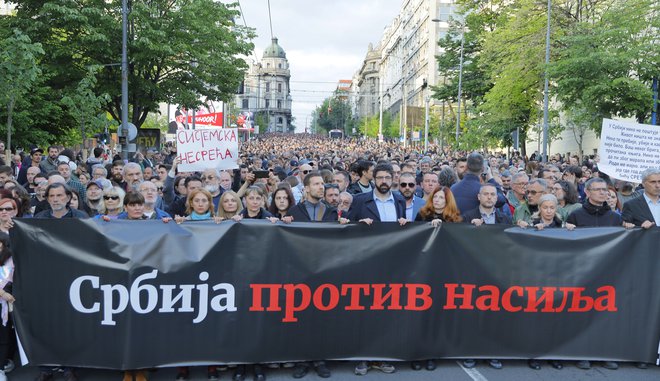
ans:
(306, 171)
(404, 185)
(111, 197)
(7, 209)
(159, 188)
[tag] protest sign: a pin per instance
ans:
(627, 149)
(207, 148)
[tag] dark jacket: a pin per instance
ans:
(594, 215)
(500, 217)
(263, 213)
(556, 222)
(466, 191)
(364, 206)
(300, 214)
(71, 213)
(637, 211)
(354, 188)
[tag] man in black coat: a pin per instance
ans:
(313, 208)
(486, 213)
(645, 211)
(381, 204)
(595, 211)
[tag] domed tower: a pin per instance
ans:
(267, 93)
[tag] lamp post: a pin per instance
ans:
(426, 125)
(460, 84)
(124, 78)
(545, 89)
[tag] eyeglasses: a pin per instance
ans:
(557, 189)
(204, 178)
(597, 190)
(111, 197)
(382, 178)
(7, 209)
(404, 185)
(331, 186)
(533, 192)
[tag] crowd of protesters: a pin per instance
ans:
(307, 178)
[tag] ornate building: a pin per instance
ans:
(266, 93)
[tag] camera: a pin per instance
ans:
(261, 174)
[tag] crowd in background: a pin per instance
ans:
(302, 178)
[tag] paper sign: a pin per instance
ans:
(627, 149)
(208, 148)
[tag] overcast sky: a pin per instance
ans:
(324, 41)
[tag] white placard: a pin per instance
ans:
(627, 149)
(207, 148)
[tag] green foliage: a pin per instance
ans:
(371, 124)
(18, 73)
(335, 113)
(606, 67)
(180, 51)
(85, 106)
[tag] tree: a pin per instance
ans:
(179, 50)
(605, 67)
(18, 71)
(335, 114)
(85, 106)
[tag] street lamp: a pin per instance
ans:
(545, 89)
(124, 78)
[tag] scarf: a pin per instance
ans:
(200, 217)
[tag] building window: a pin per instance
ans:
(279, 65)
(279, 87)
(246, 104)
(279, 120)
(279, 104)
(267, 86)
(267, 103)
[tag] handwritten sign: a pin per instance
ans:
(627, 149)
(207, 148)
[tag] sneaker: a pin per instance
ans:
(641, 365)
(69, 375)
(301, 370)
(322, 369)
(9, 366)
(495, 364)
(361, 368)
(384, 367)
(611, 365)
(584, 364)
(469, 363)
(44, 376)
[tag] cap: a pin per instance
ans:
(98, 183)
(35, 150)
(294, 163)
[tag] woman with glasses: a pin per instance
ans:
(567, 196)
(8, 210)
(440, 207)
(112, 205)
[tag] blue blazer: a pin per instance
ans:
(364, 206)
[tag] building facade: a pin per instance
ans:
(267, 92)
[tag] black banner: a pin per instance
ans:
(125, 294)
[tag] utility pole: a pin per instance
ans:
(426, 125)
(124, 79)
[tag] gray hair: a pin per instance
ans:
(131, 165)
(592, 180)
(519, 175)
(101, 167)
(650, 172)
(541, 182)
(548, 197)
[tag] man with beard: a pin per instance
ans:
(50, 164)
(30, 174)
(407, 190)
(95, 194)
(342, 179)
(381, 204)
(331, 195)
(211, 179)
(117, 173)
(59, 196)
(523, 214)
(65, 171)
(150, 193)
(312, 209)
(225, 180)
(132, 176)
(486, 213)
(461, 167)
